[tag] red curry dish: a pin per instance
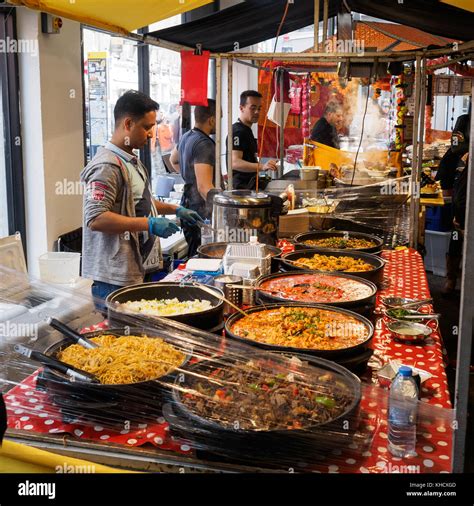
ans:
(302, 327)
(318, 288)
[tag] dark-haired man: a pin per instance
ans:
(326, 128)
(121, 218)
(244, 145)
(195, 158)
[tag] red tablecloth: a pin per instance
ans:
(405, 276)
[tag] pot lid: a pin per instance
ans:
(243, 198)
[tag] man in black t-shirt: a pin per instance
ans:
(195, 158)
(325, 129)
(245, 149)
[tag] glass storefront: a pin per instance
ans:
(110, 69)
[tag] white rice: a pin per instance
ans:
(165, 307)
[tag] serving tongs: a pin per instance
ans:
(216, 294)
(207, 226)
(70, 333)
(411, 315)
(53, 363)
(405, 305)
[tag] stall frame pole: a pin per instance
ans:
(419, 158)
(466, 324)
(325, 23)
(218, 173)
(414, 161)
(230, 184)
(316, 26)
(282, 125)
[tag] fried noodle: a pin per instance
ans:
(124, 359)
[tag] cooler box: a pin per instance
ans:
(437, 245)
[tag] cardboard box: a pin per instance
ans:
(295, 222)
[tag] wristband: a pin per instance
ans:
(149, 226)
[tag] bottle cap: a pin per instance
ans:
(405, 371)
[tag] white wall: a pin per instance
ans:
(52, 131)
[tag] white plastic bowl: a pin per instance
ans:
(59, 267)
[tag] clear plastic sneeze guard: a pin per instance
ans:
(164, 384)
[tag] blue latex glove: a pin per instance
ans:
(190, 217)
(161, 227)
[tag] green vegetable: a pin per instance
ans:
(326, 401)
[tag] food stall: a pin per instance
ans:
(199, 388)
(168, 425)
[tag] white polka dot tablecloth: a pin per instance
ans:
(406, 277)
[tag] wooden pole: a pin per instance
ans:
(325, 22)
(419, 158)
(282, 126)
(414, 162)
(230, 185)
(218, 172)
(382, 56)
(316, 26)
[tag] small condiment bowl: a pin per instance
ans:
(410, 332)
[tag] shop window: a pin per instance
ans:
(110, 69)
(165, 86)
(12, 207)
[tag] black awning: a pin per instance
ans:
(244, 24)
(255, 21)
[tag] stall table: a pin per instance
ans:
(405, 276)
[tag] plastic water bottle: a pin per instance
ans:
(206, 233)
(402, 414)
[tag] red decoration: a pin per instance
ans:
(194, 70)
(296, 90)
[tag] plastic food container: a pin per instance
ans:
(59, 267)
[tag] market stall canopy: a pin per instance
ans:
(255, 21)
(120, 16)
